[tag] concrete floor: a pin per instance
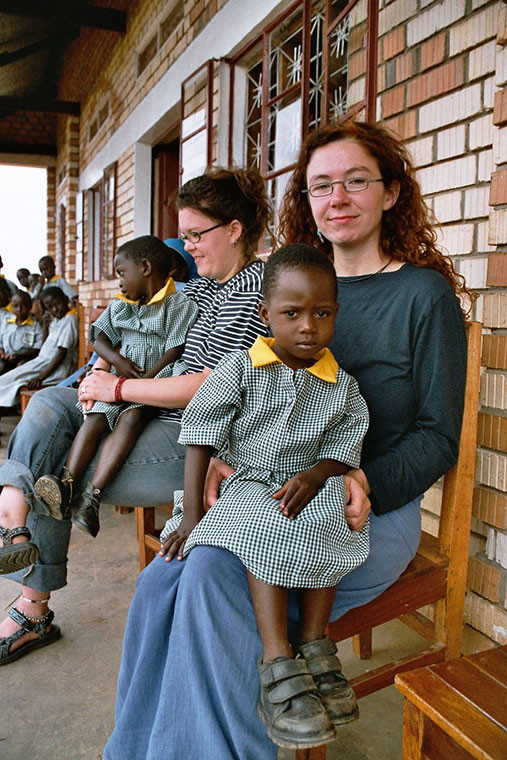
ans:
(58, 702)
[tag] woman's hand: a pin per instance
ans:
(99, 386)
(174, 544)
(358, 505)
(218, 470)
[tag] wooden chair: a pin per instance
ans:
(147, 534)
(437, 575)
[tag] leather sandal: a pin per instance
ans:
(336, 694)
(16, 556)
(289, 705)
(27, 626)
(56, 493)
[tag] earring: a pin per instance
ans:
(320, 235)
(235, 243)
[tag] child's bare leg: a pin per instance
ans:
(85, 444)
(289, 705)
(13, 509)
(270, 605)
(319, 652)
(316, 605)
(120, 443)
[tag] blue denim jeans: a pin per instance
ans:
(188, 682)
(40, 444)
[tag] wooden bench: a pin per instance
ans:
(456, 709)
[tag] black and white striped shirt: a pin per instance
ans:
(228, 319)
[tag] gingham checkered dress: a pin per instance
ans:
(270, 423)
(144, 334)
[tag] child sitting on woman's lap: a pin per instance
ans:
(291, 423)
(141, 334)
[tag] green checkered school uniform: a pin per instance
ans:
(144, 333)
(270, 422)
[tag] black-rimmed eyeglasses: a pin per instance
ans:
(194, 237)
(351, 185)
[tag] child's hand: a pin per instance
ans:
(127, 368)
(174, 544)
(35, 382)
(297, 492)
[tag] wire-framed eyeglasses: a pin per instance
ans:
(350, 185)
(194, 237)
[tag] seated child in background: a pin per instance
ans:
(141, 334)
(12, 285)
(55, 360)
(22, 275)
(34, 284)
(291, 423)
(5, 300)
(20, 333)
(47, 270)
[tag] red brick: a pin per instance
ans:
(484, 578)
(436, 82)
(403, 126)
(433, 51)
(393, 43)
(357, 65)
(498, 192)
(500, 110)
(405, 66)
(492, 431)
(494, 351)
(497, 270)
(393, 101)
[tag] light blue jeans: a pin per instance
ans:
(40, 444)
(188, 683)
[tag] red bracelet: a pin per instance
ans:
(117, 390)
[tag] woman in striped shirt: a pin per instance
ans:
(222, 216)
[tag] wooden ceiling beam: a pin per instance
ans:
(77, 13)
(9, 104)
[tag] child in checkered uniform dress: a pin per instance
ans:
(291, 423)
(140, 334)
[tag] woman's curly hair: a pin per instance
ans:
(228, 194)
(407, 231)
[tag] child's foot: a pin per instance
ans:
(16, 554)
(85, 510)
(335, 692)
(289, 705)
(56, 493)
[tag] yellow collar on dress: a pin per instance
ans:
(71, 311)
(169, 287)
(8, 307)
(325, 366)
(28, 321)
(54, 278)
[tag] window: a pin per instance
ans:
(99, 119)
(313, 65)
(102, 227)
(166, 29)
(198, 120)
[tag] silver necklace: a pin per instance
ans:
(367, 276)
